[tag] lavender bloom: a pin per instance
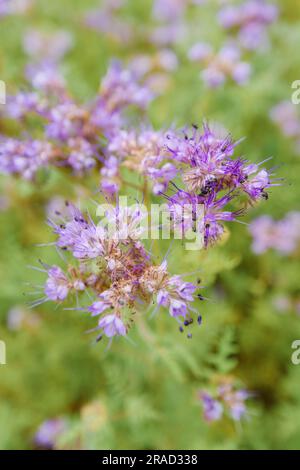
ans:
(234, 400)
(250, 19)
(110, 181)
(218, 67)
(282, 235)
(45, 76)
(78, 235)
(105, 20)
(24, 158)
(78, 133)
(155, 68)
(4, 7)
(18, 106)
(207, 167)
(48, 432)
(171, 10)
(111, 263)
(112, 325)
(172, 292)
(141, 152)
(227, 399)
(67, 120)
(12, 7)
(19, 318)
(213, 409)
(57, 284)
(81, 157)
(168, 34)
(42, 46)
(119, 88)
(56, 208)
(286, 117)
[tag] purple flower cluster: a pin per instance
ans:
(24, 158)
(13, 7)
(42, 46)
(112, 265)
(142, 152)
(286, 117)
(155, 68)
(250, 19)
(213, 179)
(172, 10)
(282, 235)
(48, 432)
(105, 20)
(220, 66)
(75, 135)
(228, 400)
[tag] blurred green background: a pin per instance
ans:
(144, 395)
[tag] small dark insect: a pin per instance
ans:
(200, 297)
(98, 338)
(265, 195)
(198, 280)
(199, 320)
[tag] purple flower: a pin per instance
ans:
(105, 20)
(20, 105)
(207, 169)
(24, 158)
(110, 181)
(46, 77)
(250, 19)
(218, 67)
(112, 265)
(213, 409)
(234, 400)
(81, 157)
(78, 235)
(226, 399)
(14, 7)
(257, 186)
(57, 285)
(112, 325)
(282, 235)
(49, 431)
(40, 45)
(200, 51)
(169, 34)
(98, 307)
(66, 121)
(171, 291)
(119, 89)
(286, 117)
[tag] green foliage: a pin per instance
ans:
(143, 393)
